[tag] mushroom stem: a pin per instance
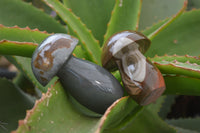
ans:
(86, 81)
(142, 80)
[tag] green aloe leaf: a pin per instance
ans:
(145, 122)
(159, 27)
(90, 44)
(26, 49)
(127, 116)
(17, 12)
(55, 113)
(156, 10)
(156, 106)
(20, 41)
(22, 34)
(118, 114)
(95, 14)
(181, 85)
(23, 41)
(125, 16)
(14, 104)
(186, 123)
(80, 53)
(124, 116)
(17, 48)
(175, 40)
(180, 65)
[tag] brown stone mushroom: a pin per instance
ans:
(141, 79)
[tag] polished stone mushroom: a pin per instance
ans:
(91, 85)
(142, 80)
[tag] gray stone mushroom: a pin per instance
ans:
(91, 85)
(142, 80)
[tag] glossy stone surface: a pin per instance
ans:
(141, 79)
(120, 41)
(147, 90)
(50, 56)
(91, 85)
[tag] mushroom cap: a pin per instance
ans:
(122, 40)
(50, 56)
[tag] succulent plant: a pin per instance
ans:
(27, 106)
